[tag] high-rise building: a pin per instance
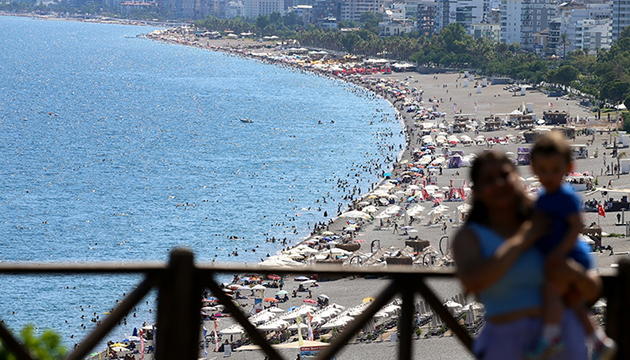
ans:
(256, 8)
(326, 10)
(621, 17)
(426, 18)
(445, 14)
(521, 19)
(352, 9)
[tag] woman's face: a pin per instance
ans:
(497, 185)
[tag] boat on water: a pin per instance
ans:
(247, 121)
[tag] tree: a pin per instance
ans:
(564, 75)
(564, 42)
(370, 20)
(45, 347)
(262, 22)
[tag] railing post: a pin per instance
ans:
(405, 323)
(179, 309)
(617, 310)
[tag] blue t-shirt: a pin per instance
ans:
(557, 207)
(520, 287)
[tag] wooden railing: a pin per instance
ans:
(181, 282)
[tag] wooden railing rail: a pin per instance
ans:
(181, 282)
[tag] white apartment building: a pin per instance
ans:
(394, 27)
(521, 19)
(594, 34)
(488, 31)
(352, 9)
(621, 17)
(256, 8)
(572, 15)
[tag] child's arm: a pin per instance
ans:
(570, 238)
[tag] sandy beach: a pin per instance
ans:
(448, 90)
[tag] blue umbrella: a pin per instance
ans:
(387, 175)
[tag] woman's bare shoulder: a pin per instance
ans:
(465, 246)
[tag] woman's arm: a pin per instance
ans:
(477, 273)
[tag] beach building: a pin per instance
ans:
(621, 17)
(521, 19)
(352, 9)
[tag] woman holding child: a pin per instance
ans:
(498, 260)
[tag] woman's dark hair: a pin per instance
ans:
(479, 212)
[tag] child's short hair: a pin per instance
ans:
(552, 143)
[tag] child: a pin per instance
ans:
(551, 161)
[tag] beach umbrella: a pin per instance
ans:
(355, 214)
(258, 287)
(270, 300)
(282, 292)
(301, 278)
(231, 331)
(328, 233)
(295, 326)
(276, 310)
(308, 282)
(132, 339)
(273, 277)
(118, 345)
(323, 296)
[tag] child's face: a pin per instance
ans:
(551, 170)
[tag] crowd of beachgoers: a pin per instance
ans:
(407, 218)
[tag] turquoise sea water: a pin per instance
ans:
(116, 148)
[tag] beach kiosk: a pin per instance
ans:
(579, 151)
(523, 156)
(556, 117)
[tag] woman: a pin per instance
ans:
(497, 262)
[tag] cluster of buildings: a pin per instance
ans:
(542, 26)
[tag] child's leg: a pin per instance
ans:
(553, 309)
(585, 319)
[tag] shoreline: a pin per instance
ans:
(338, 290)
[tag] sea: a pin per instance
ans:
(119, 148)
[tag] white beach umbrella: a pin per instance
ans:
(355, 214)
(295, 326)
